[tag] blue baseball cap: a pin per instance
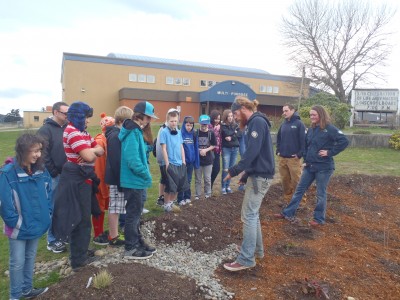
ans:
(204, 120)
(145, 108)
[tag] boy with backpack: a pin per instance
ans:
(175, 165)
(206, 142)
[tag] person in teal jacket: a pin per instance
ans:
(135, 178)
(25, 207)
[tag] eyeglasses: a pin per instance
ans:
(64, 113)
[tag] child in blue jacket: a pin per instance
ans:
(25, 207)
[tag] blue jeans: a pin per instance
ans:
(307, 177)
(242, 146)
(252, 244)
(188, 193)
(229, 156)
(22, 262)
(134, 208)
(54, 182)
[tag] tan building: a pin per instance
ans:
(35, 119)
(107, 82)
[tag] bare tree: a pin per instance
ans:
(339, 43)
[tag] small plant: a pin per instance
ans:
(102, 279)
(394, 140)
(361, 131)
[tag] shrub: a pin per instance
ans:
(394, 140)
(102, 279)
(361, 131)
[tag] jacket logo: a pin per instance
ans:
(254, 134)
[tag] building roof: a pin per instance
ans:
(179, 65)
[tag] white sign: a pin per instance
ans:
(376, 100)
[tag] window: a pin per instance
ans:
(269, 89)
(142, 78)
(263, 89)
(132, 77)
(186, 81)
(169, 80)
(151, 79)
(210, 83)
(178, 81)
(35, 118)
(276, 90)
(203, 83)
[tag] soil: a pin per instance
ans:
(355, 254)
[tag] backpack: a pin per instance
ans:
(155, 143)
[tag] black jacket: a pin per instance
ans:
(67, 210)
(55, 154)
(291, 137)
(113, 162)
(229, 130)
(258, 159)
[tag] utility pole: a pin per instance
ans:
(301, 87)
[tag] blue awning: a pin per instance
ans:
(227, 91)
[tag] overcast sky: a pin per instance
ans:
(35, 33)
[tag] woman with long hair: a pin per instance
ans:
(230, 147)
(215, 126)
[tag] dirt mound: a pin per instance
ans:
(355, 254)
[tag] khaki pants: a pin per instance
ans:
(290, 171)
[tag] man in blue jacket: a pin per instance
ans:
(289, 148)
(259, 167)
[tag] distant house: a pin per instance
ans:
(35, 119)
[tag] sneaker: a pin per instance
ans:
(88, 261)
(207, 196)
(145, 211)
(101, 240)
(171, 207)
(147, 247)
(188, 201)
(314, 223)
(196, 198)
(279, 216)
(224, 191)
(35, 292)
(160, 200)
(229, 190)
(56, 247)
(137, 253)
(235, 266)
(117, 241)
(182, 203)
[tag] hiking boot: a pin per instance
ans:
(171, 207)
(101, 240)
(56, 247)
(35, 292)
(137, 253)
(160, 200)
(235, 266)
(117, 241)
(223, 191)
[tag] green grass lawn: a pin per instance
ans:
(376, 161)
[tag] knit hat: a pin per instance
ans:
(106, 121)
(77, 114)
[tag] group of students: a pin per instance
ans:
(40, 190)
(199, 151)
